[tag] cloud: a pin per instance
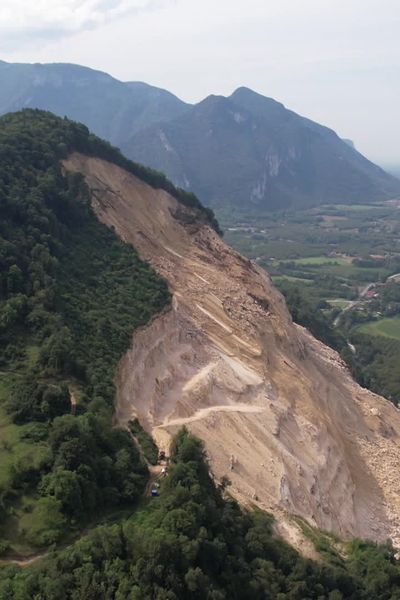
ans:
(22, 21)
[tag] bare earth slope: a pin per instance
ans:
(278, 411)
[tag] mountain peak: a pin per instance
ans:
(249, 151)
(213, 100)
(246, 149)
(245, 93)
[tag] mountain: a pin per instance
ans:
(127, 325)
(249, 152)
(110, 108)
(349, 143)
(245, 152)
(242, 149)
(394, 170)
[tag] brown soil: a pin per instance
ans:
(277, 410)
(23, 561)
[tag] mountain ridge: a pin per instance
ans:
(239, 152)
(109, 107)
(257, 154)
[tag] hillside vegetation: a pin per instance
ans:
(190, 542)
(71, 294)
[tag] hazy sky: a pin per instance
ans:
(335, 61)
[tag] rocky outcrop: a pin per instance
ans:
(278, 411)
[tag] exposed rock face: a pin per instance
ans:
(278, 411)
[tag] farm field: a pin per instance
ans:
(321, 260)
(339, 302)
(332, 251)
(388, 327)
(277, 279)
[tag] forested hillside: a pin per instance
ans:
(190, 542)
(71, 294)
(375, 363)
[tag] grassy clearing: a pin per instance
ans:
(353, 207)
(354, 273)
(334, 218)
(16, 452)
(32, 355)
(388, 327)
(321, 260)
(339, 302)
(280, 278)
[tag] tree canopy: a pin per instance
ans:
(71, 295)
(192, 542)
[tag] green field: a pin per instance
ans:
(389, 327)
(280, 278)
(339, 302)
(321, 260)
(350, 207)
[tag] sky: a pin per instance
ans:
(334, 61)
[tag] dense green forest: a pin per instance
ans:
(306, 311)
(374, 364)
(71, 294)
(191, 542)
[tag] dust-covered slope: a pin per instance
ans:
(278, 411)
